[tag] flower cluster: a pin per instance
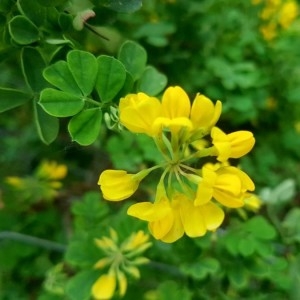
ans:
(276, 15)
(43, 184)
(122, 259)
(188, 199)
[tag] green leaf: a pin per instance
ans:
(237, 274)
(128, 85)
(171, 290)
(52, 2)
(11, 98)
(151, 82)
(60, 104)
(134, 58)
(23, 31)
(291, 224)
(201, 268)
(90, 207)
(261, 228)
(122, 6)
(47, 126)
(32, 67)
(84, 68)
(246, 246)
(61, 77)
(33, 11)
(111, 77)
(79, 287)
(82, 251)
(85, 127)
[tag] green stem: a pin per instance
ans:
(31, 240)
(172, 270)
(94, 102)
(201, 153)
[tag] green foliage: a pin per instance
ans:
(64, 67)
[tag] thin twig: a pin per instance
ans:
(31, 240)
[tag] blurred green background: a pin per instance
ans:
(245, 53)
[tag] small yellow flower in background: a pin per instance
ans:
(43, 184)
(121, 258)
(104, 287)
(288, 14)
(188, 200)
(297, 126)
(276, 15)
(15, 181)
(51, 170)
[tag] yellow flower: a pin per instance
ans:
(15, 181)
(122, 258)
(178, 129)
(138, 112)
(252, 202)
(117, 185)
(51, 170)
(170, 219)
(135, 241)
(232, 145)
(176, 108)
(105, 286)
(269, 31)
(204, 114)
(227, 185)
(288, 14)
(175, 103)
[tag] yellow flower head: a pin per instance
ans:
(288, 13)
(105, 286)
(227, 185)
(204, 114)
(117, 185)
(185, 196)
(15, 181)
(232, 145)
(122, 258)
(170, 219)
(51, 170)
(139, 111)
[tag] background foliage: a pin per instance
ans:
(61, 80)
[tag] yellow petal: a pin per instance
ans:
(176, 103)
(247, 183)
(175, 125)
(148, 211)
(205, 187)
(122, 283)
(228, 183)
(176, 231)
(228, 199)
(117, 185)
(241, 143)
(139, 111)
(103, 262)
(104, 287)
(213, 215)
(204, 113)
(161, 227)
(192, 218)
(204, 193)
